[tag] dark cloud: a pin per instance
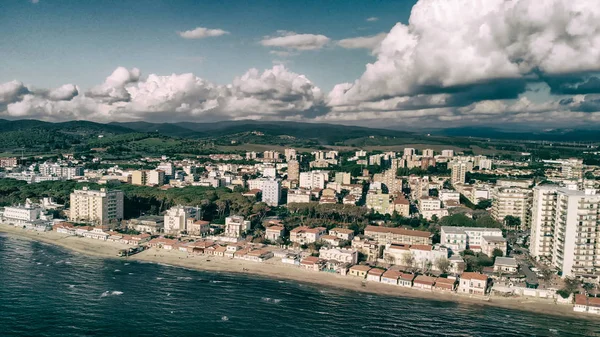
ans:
(574, 85)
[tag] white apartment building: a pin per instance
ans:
(167, 167)
(572, 168)
(565, 230)
(344, 255)
(428, 153)
(304, 235)
(155, 177)
(408, 152)
(235, 226)
(388, 178)
(298, 196)
(448, 153)
(177, 219)
(271, 192)
(290, 154)
(342, 178)
(99, 207)
(57, 170)
(449, 195)
(513, 201)
(459, 171)
(21, 214)
(461, 238)
(313, 179)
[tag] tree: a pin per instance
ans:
(512, 222)
(389, 259)
(408, 260)
(497, 253)
(443, 265)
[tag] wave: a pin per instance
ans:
(111, 293)
(184, 278)
(117, 270)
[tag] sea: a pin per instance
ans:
(49, 291)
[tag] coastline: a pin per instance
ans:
(274, 269)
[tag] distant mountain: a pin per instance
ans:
(83, 127)
(553, 135)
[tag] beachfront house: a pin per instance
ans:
(390, 277)
(305, 235)
(406, 280)
(506, 265)
(311, 263)
(445, 284)
(359, 270)
(423, 282)
(259, 255)
(590, 305)
(375, 274)
(473, 283)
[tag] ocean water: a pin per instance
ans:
(48, 291)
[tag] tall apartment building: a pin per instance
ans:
(290, 154)
(293, 170)
(271, 192)
(138, 177)
(459, 171)
(313, 179)
(155, 177)
(513, 201)
(572, 169)
(8, 162)
(343, 178)
(99, 207)
(428, 153)
(388, 178)
(179, 219)
(565, 230)
(408, 152)
(448, 153)
(378, 201)
(168, 168)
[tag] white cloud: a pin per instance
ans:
(124, 96)
(201, 33)
(63, 93)
(11, 91)
(294, 41)
(450, 43)
(35, 1)
(372, 19)
(367, 42)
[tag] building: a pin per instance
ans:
(152, 224)
(370, 248)
(590, 305)
(506, 265)
(177, 219)
(155, 178)
(274, 233)
(271, 192)
(298, 196)
(458, 239)
(290, 154)
(473, 283)
(22, 214)
(313, 179)
(378, 201)
(8, 162)
(343, 255)
(389, 180)
(342, 178)
(428, 153)
(572, 169)
(236, 226)
(385, 235)
(512, 201)
(99, 207)
(342, 233)
(490, 243)
(359, 270)
(423, 282)
(139, 177)
(408, 152)
(293, 170)
(168, 168)
(400, 205)
(374, 274)
(459, 172)
(565, 230)
(305, 235)
(448, 153)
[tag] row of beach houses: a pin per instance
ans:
(100, 233)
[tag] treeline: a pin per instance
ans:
(213, 204)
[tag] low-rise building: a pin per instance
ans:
(342, 233)
(386, 235)
(305, 235)
(444, 284)
(590, 305)
(344, 255)
(406, 280)
(274, 233)
(374, 274)
(423, 282)
(506, 265)
(491, 243)
(391, 277)
(473, 283)
(359, 270)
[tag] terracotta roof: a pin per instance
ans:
(316, 230)
(329, 237)
(594, 301)
(221, 249)
(401, 201)
(422, 247)
(407, 276)
(310, 260)
(398, 230)
(443, 280)
(400, 246)
(392, 274)
(376, 272)
(360, 267)
(422, 279)
(275, 228)
(473, 276)
(201, 222)
(342, 230)
(581, 299)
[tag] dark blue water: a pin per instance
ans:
(47, 291)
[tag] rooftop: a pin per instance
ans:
(397, 230)
(506, 261)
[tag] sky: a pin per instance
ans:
(395, 64)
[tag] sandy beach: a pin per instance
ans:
(273, 268)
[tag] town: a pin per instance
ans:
(427, 219)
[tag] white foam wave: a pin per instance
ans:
(117, 270)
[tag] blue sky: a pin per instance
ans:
(55, 42)
(397, 64)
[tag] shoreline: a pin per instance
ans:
(274, 269)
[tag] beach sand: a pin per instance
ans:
(273, 268)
